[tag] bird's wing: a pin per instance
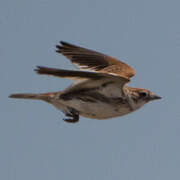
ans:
(70, 74)
(82, 76)
(94, 61)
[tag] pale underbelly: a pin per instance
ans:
(97, 110)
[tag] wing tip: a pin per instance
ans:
(58, 48)
(11, 96)
(40, 70)
(63, 43)
(62, 46)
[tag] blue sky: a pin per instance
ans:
(35, 142)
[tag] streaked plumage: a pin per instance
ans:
(100, 92)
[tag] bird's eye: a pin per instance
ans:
(143, 94)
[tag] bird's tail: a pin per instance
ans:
(42, 96)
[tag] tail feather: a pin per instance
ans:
(25, 96)
(43, 96)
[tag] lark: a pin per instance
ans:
(99, 90)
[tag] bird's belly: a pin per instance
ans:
(98, 110)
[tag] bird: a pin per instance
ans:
(99, 90)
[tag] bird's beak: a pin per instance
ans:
(154, 97)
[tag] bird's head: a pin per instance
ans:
(143, 96)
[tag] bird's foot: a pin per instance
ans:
(74, 116)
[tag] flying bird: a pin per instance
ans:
(99, 90)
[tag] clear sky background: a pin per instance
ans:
(35, 143)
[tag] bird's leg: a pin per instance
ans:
(74, 116)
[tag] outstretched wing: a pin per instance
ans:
(94, 61)
(70, 74)
(82, 76)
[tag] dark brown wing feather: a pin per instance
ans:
(95, 61)
(68, 73)
(80, 76)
